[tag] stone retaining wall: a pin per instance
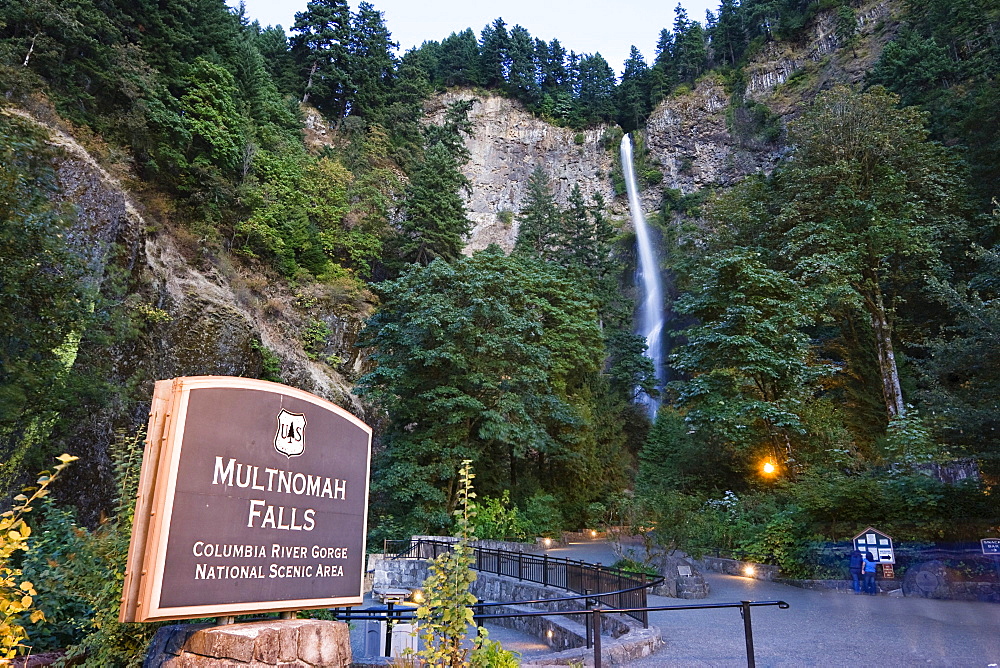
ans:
(736, 567)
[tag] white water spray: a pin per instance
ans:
(650, 320)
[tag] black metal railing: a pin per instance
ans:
(610, 586)
(394, 615)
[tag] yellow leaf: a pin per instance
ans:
(27, 586)
(14, 536)
(37, 616)
(26, 601)
(66, 459)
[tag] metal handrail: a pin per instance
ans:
(605, 582)
(394, 616)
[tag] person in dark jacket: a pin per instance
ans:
(869, 571)
(854, 567)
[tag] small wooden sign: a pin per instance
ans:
(253, 497)
(887, 571)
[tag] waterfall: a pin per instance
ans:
(650, 316)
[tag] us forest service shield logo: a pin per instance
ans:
(289, 439)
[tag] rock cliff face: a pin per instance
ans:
(688, 135)
(690, 138)
(506, 146)
(195, 313)
(825, 54)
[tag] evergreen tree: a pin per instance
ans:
(634, 92)
(458, 64)
(539, 233)
(728, 36)
(522, 76)
(434, 222)
(663, 75)
(689, 50)
(372, 62)
(494, 43)
(595, 102)
(322, 45)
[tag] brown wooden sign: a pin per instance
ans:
(253, 497)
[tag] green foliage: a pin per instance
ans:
(542, 516)
(314, 337)
(630, 566)
(480, 358)
(446, 614)
(782, 541)
(16, 590)
(501, 520)
(81, 573)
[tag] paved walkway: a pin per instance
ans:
(820, 628)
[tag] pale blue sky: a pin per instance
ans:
(584, 26)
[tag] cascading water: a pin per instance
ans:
(651, 315)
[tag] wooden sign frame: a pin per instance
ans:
(154, 591)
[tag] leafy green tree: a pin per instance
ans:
(213, 122)
(748, 362)
(964, 362)
(477, 359)
(867, 187)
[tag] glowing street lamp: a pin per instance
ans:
(768, 468)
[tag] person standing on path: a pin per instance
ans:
(854, 567)
(869, 568)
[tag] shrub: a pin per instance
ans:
(16, 592)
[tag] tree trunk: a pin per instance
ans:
(309, 81)
(888, 372)
(31, 49)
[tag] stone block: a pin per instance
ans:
(293, 643)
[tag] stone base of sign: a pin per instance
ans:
(291, 643)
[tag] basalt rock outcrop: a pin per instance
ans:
(190, 312)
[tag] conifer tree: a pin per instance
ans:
(494, 48)
(372, 62)
(522, 77)
(435, 222)
(322, 44)
(540, 220)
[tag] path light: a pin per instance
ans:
(593, 534)
(769, 468)
(547, 541)
(418, 596)
(548, 634)
(749, 570)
